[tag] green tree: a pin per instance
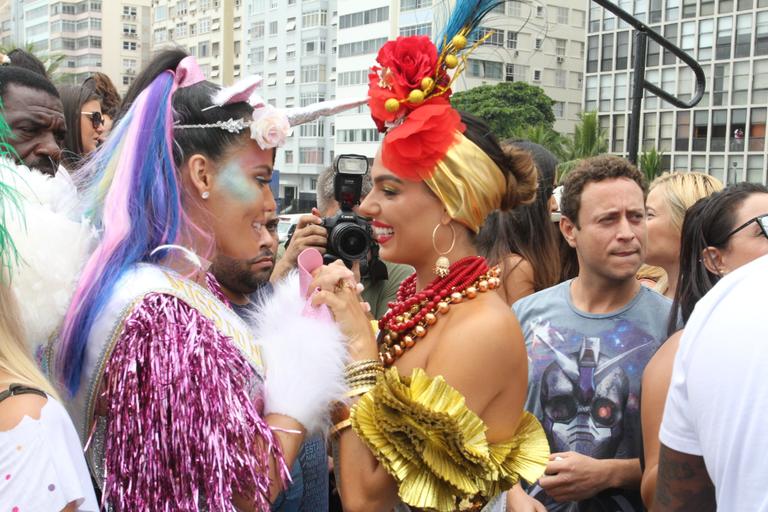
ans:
(588, 140)
(650, 164)
(543, 136)
(507, 106)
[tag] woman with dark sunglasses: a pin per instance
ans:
(85, 124)
(720, 233)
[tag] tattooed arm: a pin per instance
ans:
(683, 483)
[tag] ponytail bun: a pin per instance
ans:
(522, 178)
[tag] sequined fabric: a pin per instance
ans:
(420, 429)
(182, 430)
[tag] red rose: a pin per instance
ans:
(413, 149)
(409, 60)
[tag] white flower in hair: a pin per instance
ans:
(270, 127)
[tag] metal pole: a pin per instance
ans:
(633, 130)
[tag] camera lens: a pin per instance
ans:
(350, 241)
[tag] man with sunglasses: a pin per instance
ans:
(33, 110)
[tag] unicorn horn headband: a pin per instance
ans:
(270, 126)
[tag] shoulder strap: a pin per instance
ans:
(20, 389)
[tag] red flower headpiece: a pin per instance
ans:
(408, 95)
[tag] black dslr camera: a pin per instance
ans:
(349, 235)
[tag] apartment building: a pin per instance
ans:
(541, 42)
(725, 133)
(292, 45)
(211, 30)
(89, 35)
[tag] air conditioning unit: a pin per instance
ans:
(560, 59)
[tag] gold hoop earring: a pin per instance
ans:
(443, 264)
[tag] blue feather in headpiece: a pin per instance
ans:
(466, 15)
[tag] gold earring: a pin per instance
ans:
(443, 264)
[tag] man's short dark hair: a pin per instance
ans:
(591, 170)
(24, 78)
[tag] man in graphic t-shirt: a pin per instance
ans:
(588, 342)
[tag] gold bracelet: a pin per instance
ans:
(364, 364)
(369, 380)
(337, 428)
(357, 391)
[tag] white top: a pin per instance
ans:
(42, 466)
(717, 406)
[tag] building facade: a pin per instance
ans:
(542, 43)
(725, 134)
(81, 34)
(292, 45)
(211, 30)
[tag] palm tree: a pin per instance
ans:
(588, 140)
(543, 136)
(650, 163)
(51, 62)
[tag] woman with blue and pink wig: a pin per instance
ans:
(179, 403)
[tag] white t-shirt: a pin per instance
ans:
(42, 467)
(717, 406)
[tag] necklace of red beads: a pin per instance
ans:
(411, 315)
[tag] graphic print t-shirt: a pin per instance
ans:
(584, 375)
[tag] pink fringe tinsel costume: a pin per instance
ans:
(171, 400)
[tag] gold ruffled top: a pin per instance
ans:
(420, 429)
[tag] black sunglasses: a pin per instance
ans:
(762, 221)
(97, 119)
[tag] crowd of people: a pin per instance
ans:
(160, 350)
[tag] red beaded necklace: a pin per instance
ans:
(412, 313)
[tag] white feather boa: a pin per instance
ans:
(53, 243)
(304, 357)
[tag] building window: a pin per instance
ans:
(314, 47)
(258, 29)
(288, 156)
(308, 98)
(537, 75)
(561, 78)
(622, 50)
(290, 51)
(724, 38)
(358, 135)
(761, 33)
(706, 30)
(515, 8)
(512, 40)
(422, 29)
(515, 73)
(757, 129)
(129, 45)
(368, 17)
(290, 25)
(743, 35)
(312, 129)
(258, 55)
(495, 36)
(272, 80)
(558, 108)
(485, 69)
(560, 45)
(203, 49)
(682, 139)
(181, 30)
(361, 47)
(410, 5)
(593, 51)
(561, 14)
(160, 35)
(204, 26)
(538, 43)
(539, 11)
(314, 19)
(311, 155)
(314, 73)
(347, 78)
(606, 64)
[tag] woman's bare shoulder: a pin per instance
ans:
(14, 408)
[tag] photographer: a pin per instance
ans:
(380, 284)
